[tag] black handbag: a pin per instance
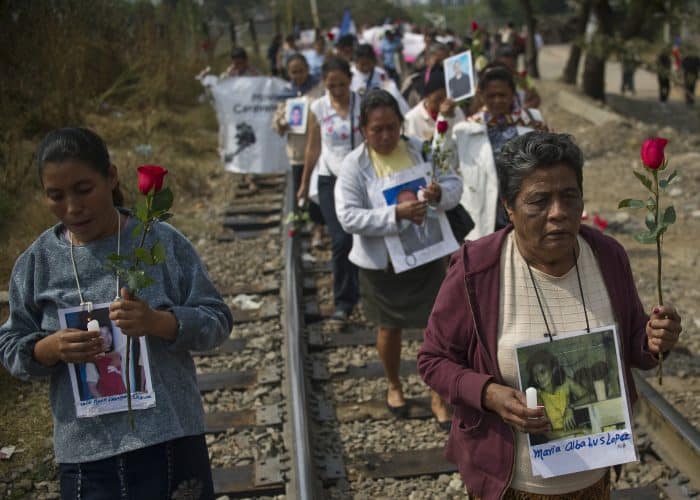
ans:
(460, 222)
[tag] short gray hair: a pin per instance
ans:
(522, 155)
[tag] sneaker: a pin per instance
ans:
(317, 237)
(339, 316)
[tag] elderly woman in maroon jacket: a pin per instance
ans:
(513, 286)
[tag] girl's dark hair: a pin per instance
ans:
(79, 144)
(496, 72)
(365, 50)
(335, 64)
(375, 99)
(297, 57)
(547, 359)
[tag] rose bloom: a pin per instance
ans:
(652, 152)
(151, 177)
(442, 126)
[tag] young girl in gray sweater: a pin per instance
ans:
(102, 456)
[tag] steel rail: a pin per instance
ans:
(673, 437)
(303, 482)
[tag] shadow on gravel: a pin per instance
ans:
(671, 114)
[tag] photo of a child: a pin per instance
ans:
(296, 111)
(106, 377)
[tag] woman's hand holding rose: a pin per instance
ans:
(663, 329)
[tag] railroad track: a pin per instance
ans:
(300, 411)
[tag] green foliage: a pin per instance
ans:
(162, 201)
(631, 203)
(152, 207)
(663, 183)
(644, 180)
(669, 216)
(655, 223)
(298, 217)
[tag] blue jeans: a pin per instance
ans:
(174, 469)
(346, 289)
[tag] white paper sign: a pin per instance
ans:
(296, 113)
(459, 76)
(100, 388)
(415, 244)
(579, 382)
(244, 107)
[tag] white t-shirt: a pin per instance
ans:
(336, 141)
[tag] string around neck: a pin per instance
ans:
(539, 300)
(88, 305)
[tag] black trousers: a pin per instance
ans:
(174, 469)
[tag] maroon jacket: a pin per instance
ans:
(458, 356)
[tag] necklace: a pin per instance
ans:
(539, 300)
(83, 303)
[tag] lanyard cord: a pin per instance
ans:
(369, 80)
(539, 300)
(75, 269)
(352, 120)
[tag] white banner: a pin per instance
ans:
(245, 106)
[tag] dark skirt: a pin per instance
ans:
(401, 300)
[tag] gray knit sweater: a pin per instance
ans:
(43, 281)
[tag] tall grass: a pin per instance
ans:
(122, 68)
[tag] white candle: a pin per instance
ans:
(93, 326)
(531, 396)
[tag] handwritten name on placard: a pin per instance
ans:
(617, 439)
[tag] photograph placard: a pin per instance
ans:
(459, 76)
(100, 388)
(579, 382)
(297, 112)
(415, 244)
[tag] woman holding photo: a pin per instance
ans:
(391, 301)
(164, 452)
(301, 83)
(478, 141)
(334, 131)
(543, 274)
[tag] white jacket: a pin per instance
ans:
(369, 225)
(475, 163)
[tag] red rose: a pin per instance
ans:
(442, 126)
(600, 222)
(151, 177)
(653, 152)
(475, 26)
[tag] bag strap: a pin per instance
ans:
(352, 120)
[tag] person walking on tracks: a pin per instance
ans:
(103, 456)
(545, 273)
(691, 67)
(479, 140)
(393, 301)
(334, 131)
(301, 83)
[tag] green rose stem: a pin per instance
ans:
(146, 228)
(654, 160)
(659, 235)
